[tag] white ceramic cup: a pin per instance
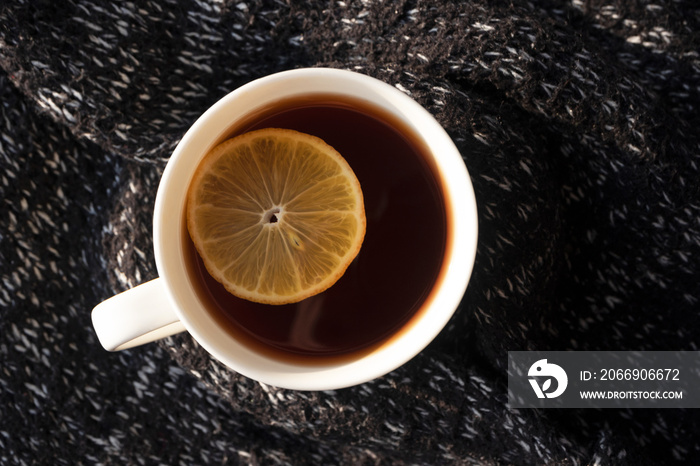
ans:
(169, 304)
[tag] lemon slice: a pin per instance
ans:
(276, 215)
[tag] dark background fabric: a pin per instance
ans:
(578, 122)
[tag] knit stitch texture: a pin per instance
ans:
(578, 122)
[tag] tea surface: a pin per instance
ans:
(401, 257)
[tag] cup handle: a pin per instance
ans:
(137, 316)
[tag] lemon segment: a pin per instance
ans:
(276, 215)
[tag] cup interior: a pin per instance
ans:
(212, 128)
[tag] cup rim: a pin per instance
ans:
(169, 215)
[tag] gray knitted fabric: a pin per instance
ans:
(578, 123)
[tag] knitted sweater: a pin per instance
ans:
(578, 123)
